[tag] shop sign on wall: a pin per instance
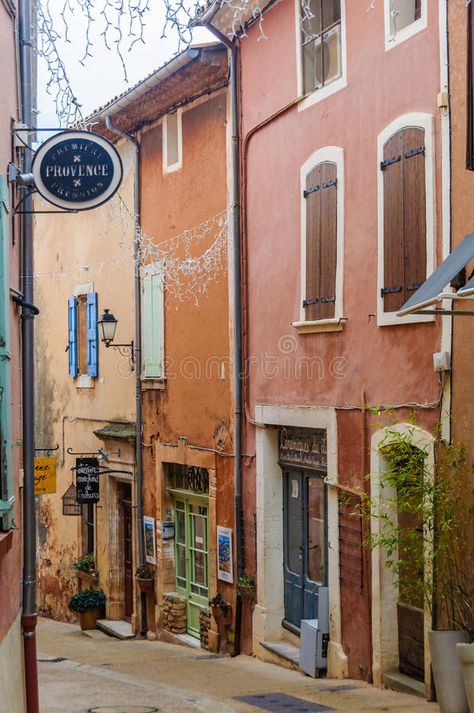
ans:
(45, 476)
(87, 480)
(150, 539)
(77, 170)
(224, 554)
(303, 447)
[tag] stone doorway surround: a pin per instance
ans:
(181, 454)
(269, 610)
(384, 591)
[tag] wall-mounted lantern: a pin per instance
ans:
(107, 325)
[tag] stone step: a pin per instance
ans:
(119, 629)
(284, 649)
(397, 681)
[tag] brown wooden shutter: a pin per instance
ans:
(392, 168)
(470, 91)
(313, 220)
(327, 299)
(403, 167)
(414, 210)
(321, 242)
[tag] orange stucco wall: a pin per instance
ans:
(462, 223)
(195, 398)
(364, 363)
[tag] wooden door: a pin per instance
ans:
(127, 550)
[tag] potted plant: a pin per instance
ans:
(85, 566)
(246, 587)
(87, 604)
(145, 577)
(423, 519)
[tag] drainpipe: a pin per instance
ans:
(138, 354)
(235, 200)
(29, 615)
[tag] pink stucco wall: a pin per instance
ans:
(364, 363)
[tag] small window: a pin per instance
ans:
(83, 346)
(153, 319)
(172, 142)
(403, 19)
(321, 42)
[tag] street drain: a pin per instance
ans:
(57, 660)
(281, 703)
(123, 709)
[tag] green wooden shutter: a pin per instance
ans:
(6, 483)
(153, 327)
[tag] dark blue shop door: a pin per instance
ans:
(305, 544)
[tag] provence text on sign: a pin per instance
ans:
(77, 170)
(87, 480)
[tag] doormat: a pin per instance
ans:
(281, 703)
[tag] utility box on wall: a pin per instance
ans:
(315, 638)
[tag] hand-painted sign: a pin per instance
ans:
(45, 476)
(303, 447)
(78, 170)
(87, 480)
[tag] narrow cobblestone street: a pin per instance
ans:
(79, 674)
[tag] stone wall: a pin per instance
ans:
(204, 626)
(173, 615)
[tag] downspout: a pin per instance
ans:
(138, 351)
(238, 370)
(29, 615)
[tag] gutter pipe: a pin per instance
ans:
(29, 615)
(238, 361)
(138, 350)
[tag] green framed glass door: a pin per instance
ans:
(192, 556)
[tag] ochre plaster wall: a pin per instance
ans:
(92, 246)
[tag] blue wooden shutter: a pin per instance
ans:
(153, 327)
(92, 341)
(72, 335)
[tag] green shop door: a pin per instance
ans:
(192, 556)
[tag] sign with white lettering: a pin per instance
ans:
(87, 480)
(77, 170)
(303, 448)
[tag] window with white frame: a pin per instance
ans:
(403, 19)
(322, 235)
(153, 325)
(83, 344)
(321, 43)
(405, 213)
(172, 142)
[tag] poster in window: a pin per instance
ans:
(224, 554)
(150, 540)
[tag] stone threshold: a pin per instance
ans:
(284, 650)
(119, 629)
(397, 681)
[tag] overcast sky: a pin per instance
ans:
(102, 77)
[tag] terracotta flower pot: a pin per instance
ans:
(145, 585)
(88, 619)
(247, 591)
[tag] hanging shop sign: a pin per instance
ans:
(45, 476)
(303, 447)
(77, 170)
(87, 480)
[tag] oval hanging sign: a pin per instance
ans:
(78, 170)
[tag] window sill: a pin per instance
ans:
(403, 35)
(149, 384)
(6, 541)
(84, 382)
(321, 325)
(320, 94)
